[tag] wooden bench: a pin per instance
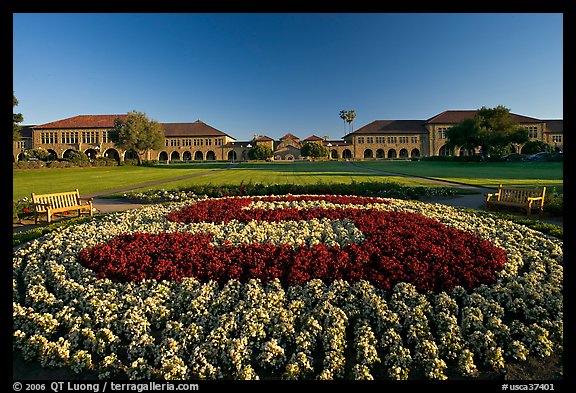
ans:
(524, 198)
(60, 202)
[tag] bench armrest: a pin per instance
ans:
(489, 196)
(535, 198)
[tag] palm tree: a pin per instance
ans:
(350, 116)
(343, 116)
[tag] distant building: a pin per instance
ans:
(198, 141)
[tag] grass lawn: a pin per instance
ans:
(485, 174)
(91, 180)
(288, 173)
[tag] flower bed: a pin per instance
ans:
(296, 287)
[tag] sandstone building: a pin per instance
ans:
(201, 142)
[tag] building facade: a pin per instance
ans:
(198, 141)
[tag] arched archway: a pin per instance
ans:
(113, 154)
(392, 153)
(91, 153)
(232, 155)
(415, 153)
(466, 152)
(53, 155)
(68, 153)
(290, 157)
(210, 156)
(334, 154)
(403, 153)
(198, 156)
(174, 156)
(380, 153)
(368, 153)
(130, 155)
(186, 156)
(163, 156)
(444, 151)
(347, 154)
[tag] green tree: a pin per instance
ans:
(533, 147)
(260, 152)
(137, 133)
(350, 116)
(343, 115)
(314, 150)
(491, 129)
(16, 118)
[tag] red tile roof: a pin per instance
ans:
(313, 138)
(198, 128)
(290, 136)
(456, 116)
(83, 121)
(263, 138)
(392, 127)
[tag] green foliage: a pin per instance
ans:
(348, 117)
(314, 150)
(533, 147)
(76, 156)
(491, 128)
(260, 152)
(16, 118)
(39, 154)
(381, 189)
(137, 133)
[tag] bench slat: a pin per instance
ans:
(527, 198)
(58, 203)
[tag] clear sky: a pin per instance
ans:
(276, 73)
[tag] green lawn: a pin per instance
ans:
(485, 174)
(91, 180)
(289, 173)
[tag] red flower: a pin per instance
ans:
(398, 247)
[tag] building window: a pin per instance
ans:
(380, 139)
(442, 132)
(69, 137)
(105, 137)
(360, 139)
(414, 139)
(391, 139)
(48, 138)
(369, 139)
(89, 137)
(403, 139)
(208, 142)
(532, 132)
(557, 138)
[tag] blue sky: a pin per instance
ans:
(276, 73)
